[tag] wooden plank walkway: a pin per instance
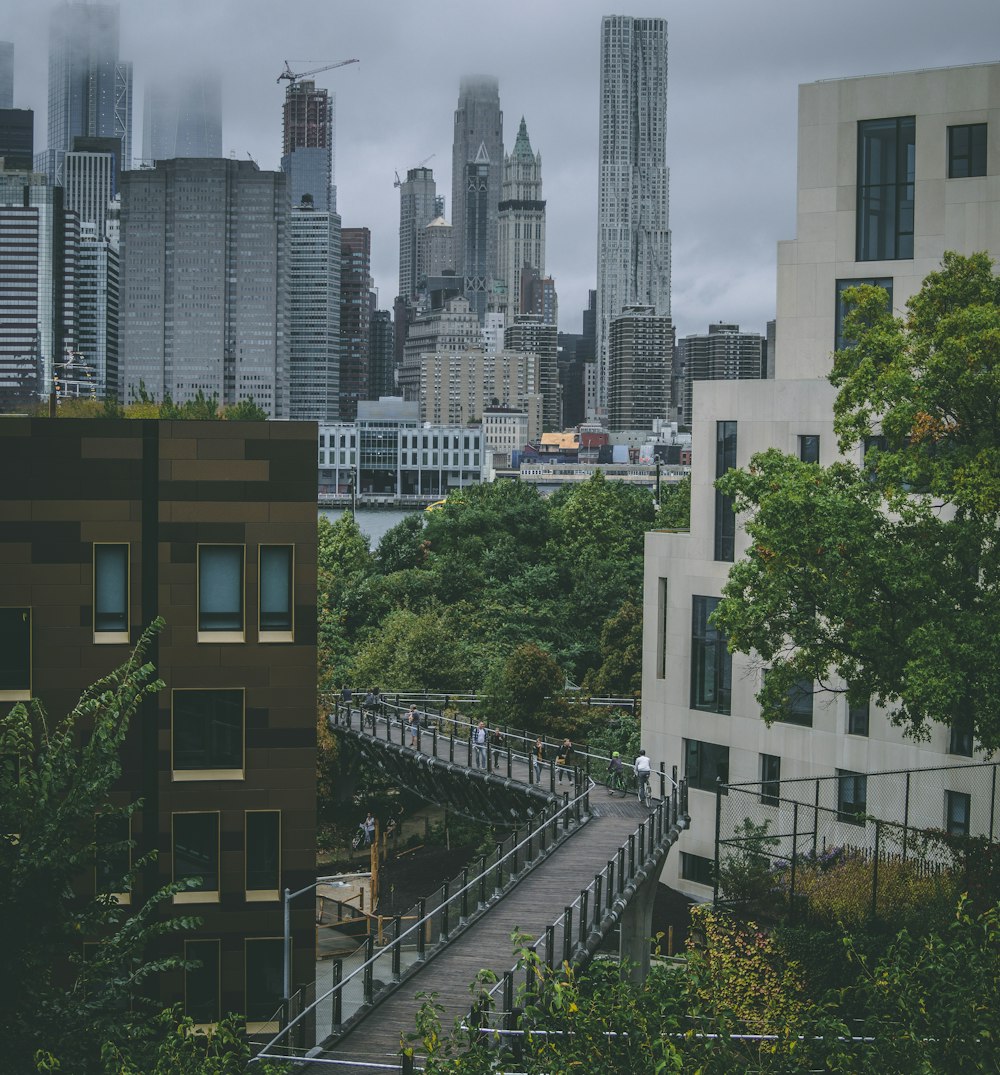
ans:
(529, 908)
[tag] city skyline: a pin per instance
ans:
(731, 118)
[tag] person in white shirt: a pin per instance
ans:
(642, 775)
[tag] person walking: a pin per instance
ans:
(496, 745)
(413, 724)
(565, 760)
(369, 826)
(538, 757)
(642, 775)
(479, 741)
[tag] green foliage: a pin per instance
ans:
(745, 868)
(65, 772)
(245, 411)
(523, 686)
(674, 512)
(602, 519)
(402, 547)
(859, 571)
(620, 671)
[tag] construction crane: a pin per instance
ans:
(419, 164)
(293, 76)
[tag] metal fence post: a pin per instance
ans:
(584, 905)
(550, 945)
(451, 743)
(445, 893)
(906, 816)
(631, 855)
(465, 893)
(795, 839)
(598, 894)
(421, 928)
(369, 973)
(397, 929)
(878, 841)
(565, 813)
(718, 823)
(498, 882)
(642, 842)
(663, 779)
(621, 870)
(482, 881)
(816, 819)
(567, 933)
(337, 996)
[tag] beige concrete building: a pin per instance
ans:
(893, 170)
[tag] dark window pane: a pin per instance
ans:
(111, 588)
(960, 740)
(770, 779)
(15, 650)
(852, 796)
(841, 342)
(885, 188)
(196, 850)
(809, 448)
(276, 587)
(220, 588)
(711, 661)
(959, 809)
(208, 729)
(201, 984)
(265, 979)
(263, 850)
(705, 764)
(697, 868)
(725, 517)
(857, 719)
(797, 707)
(966, 150)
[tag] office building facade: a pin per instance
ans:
(698, 699)
(531, 333)
(633, 231)
(723, 353)
(182, 117)
(90, 89)
(355, 318)
(97, 313)
(521, 220)
(106, 524)
(417, 199)
(204, 251)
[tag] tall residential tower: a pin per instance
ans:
(633, 231)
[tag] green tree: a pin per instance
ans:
(245, 411)
(57, 779)
(343, 560)
(888, 574)
(403, 545)
(602, 519)
(620, 671)
(674, 512)
(522, 687)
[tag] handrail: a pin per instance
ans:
(538, 849)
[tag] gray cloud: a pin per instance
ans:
(734, 72)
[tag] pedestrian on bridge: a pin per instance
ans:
(496, 745)
(565, 759)
(538, 757)
(413, 724)
(479, 741)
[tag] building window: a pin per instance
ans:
(263, 854)
(196, 856)
(276, 600)
(661, 630)
(960, 738)
(797, 707)
(220, 593)
(208, 734)
(711, 661)
(264, 982)
(697, 868)
(705, 764)
(15, 654)
(201, 982)
(110, 593)
(958, 812)
(112, 856)
(966, 150)
(857, 718)
(809, 448)
(852, 796)
(725, 517)
(886, 174)
(770, 779)
(842, 308)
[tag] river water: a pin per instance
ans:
(374, 522)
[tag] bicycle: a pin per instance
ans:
(359, 839)
(616, 783)
(368, 719)
(643, 791)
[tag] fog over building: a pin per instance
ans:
(90, 89)
(633, 231)
(182, 117)
(6, 74)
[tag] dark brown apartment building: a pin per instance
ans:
(106, 524)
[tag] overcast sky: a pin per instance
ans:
(734, 68)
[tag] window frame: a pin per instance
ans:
(726, 448)
(693, 865)
(961, 737)
(222, 634)
(696, 748)
(841, 309)
(770, 785)
(181, 775)
(703, 642)
(950, 799)
(116, 636)
(20, 693)
(260, 895)
(256, 1026)
(281, 634)
(971, 156)
(191, 941)
(858, 807)
(882, 207)
(807, 442)
(197, 895)
(854, 718)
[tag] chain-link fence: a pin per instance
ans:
(772, 835)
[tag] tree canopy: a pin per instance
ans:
(886, 574)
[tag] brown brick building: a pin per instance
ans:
(105, 524)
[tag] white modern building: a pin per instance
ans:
(886, 185)
(633, 220)
(387, 454)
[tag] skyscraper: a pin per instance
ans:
(6, 74)
(724, 353)
(307, 144)
(90, 91)
(355, 318)
(531, 334)
(97, 294)
(521, 219)
(182, 117)
(633, 233)
(314, 313)
(90, 182)
(203, 268)
(476, 165)
(417, 198)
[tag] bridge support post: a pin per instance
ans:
(397, 929)
(337, 997)
(637, 929)
(368, 976)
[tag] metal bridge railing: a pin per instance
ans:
(313, 1019)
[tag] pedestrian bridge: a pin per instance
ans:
(578, 866)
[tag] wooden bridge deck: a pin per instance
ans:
(529, 908)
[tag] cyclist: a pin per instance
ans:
(616, 778)
(642, 775)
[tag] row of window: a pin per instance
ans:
(263, 981)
